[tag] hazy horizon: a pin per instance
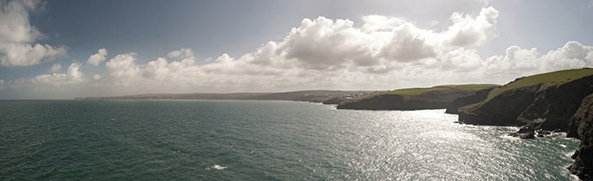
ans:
(67, 49)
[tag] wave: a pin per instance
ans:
(216, 167)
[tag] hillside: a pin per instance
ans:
(437, 97)
(311, 96)
(543, 101)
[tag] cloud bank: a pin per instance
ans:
(379, 53)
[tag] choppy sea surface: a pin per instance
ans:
(261, 140)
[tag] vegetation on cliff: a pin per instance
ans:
(437, 97)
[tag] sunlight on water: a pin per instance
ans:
(267, 140)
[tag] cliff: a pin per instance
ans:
(480, 95)
(544, 101)
(583, 165)
(437, 97)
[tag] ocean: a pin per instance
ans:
(261, 140)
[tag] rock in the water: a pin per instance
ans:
(528, 135)
(525, 132)
(542, 133)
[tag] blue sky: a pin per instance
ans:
(413, 43)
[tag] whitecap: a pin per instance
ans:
(509, 137)
(217, 167)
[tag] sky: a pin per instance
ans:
(62, 49)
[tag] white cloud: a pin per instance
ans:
(337, 54)
(434, 23)
(380, 23)
(73, 76)
(97, 77)
(56, 68)
(1, 84)
(473, 31)
(322, 54)
(519, 62)
(17, 36)
(98, 57)
(123, 66)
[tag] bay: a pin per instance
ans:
(261, 140)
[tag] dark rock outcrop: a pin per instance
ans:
(501, 110)
(479, 96)
(583, 165)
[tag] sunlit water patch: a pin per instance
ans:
(261, 140)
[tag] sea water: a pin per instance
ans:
(261, 140)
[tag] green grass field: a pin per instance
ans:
(547, 79)
(420, 91)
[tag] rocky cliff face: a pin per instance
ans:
(583, 165)
(554, 106)
(453, 106)
(535, 107)
(438, 99)
(500, 110)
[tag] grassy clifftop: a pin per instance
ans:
(542, 81)
(414, 98)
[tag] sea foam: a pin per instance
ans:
(217, 167)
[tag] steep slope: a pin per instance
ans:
(583, 165)
(544, 101)
(437, 97)
(480, 95)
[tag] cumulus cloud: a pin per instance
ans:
(468, 30)
(17, 36)
(123, 66)
(98, 57)
(97, 77)
(56, 68)
(73, 76)
(519, 62)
